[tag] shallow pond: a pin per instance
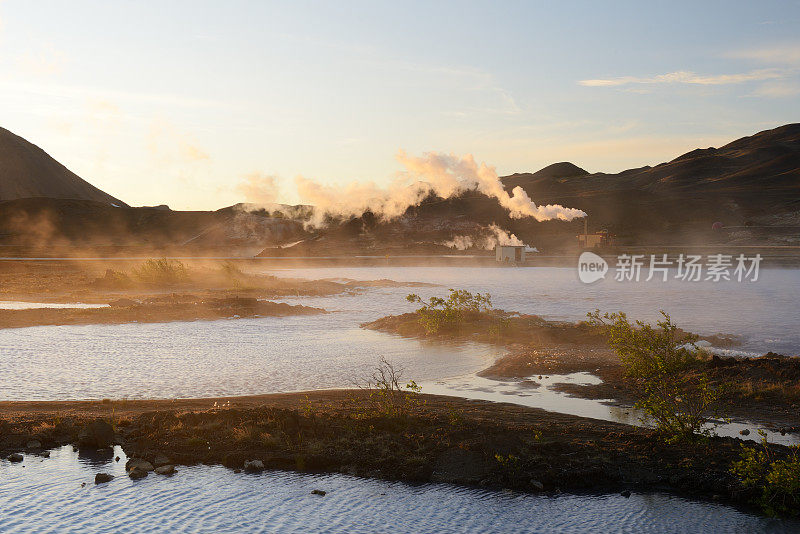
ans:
(59, 495)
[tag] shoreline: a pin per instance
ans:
(440, 439)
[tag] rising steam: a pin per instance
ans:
(487, 239)
(441, 174)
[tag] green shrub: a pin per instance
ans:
(440, 314)
(161, 271)
(663, 364)
(778, 480)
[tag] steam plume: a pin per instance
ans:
(442, 174)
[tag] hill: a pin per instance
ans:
(27, 171)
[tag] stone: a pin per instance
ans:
(538, 485)
(102, 478)
(138, 463)
(626, 494)
(319, 492)
(98, 434)
(15, 457)
(34, 444)
(165, 470)
(45, 454)
(116, 459)
(160, 460)
(137, 473)
(251, 466)
(744, 432)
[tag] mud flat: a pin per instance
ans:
(177, 308)
(439, 439)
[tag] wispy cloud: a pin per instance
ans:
(687, 77)
(780, 54)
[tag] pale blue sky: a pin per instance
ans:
(178, 102)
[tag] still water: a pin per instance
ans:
(59, 495)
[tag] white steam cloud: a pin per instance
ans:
(488, 239)
(442, 174)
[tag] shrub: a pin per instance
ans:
(438, 314)
(777, 480)
(386, 394)
(663, 364)
(161, 271)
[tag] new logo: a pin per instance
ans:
(591, 267)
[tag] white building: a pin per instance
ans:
(509, 253)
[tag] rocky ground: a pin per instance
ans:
(431, 438)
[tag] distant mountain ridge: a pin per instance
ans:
(27, 171)
(768, 159)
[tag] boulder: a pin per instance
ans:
(45, 454)
(319, 492)
(160, 460)
(252, 466)
(744, 432)
(165, 470)
(15, 457)
(138, 463)
(102, 478)
(137, 473)
(537, 485)
(98, 434)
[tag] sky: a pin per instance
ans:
(200, 105)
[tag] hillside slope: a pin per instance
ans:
(27, 171)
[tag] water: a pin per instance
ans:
(21, 305)
(214, 358)
(45, 495)
(765, 313)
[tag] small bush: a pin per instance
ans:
(439, 314)
(161, 271)
(663, 363)
(778, 480)
(387, 396)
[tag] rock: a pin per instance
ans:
(165, 470)
(45, 454)
(237, 471)
(138, 463)
(319, 492)
(98, 434)
(15, 457)
(137, 473)
(251, 466)
(536, 484)
(116, 459)
(34, 444)
(160, 460)
(626, 494)
(102, 478)
(744, 432)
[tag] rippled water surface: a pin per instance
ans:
(59, 495)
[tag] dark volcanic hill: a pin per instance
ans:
(751, 182)
(27, 171)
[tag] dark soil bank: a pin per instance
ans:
(438, 439)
